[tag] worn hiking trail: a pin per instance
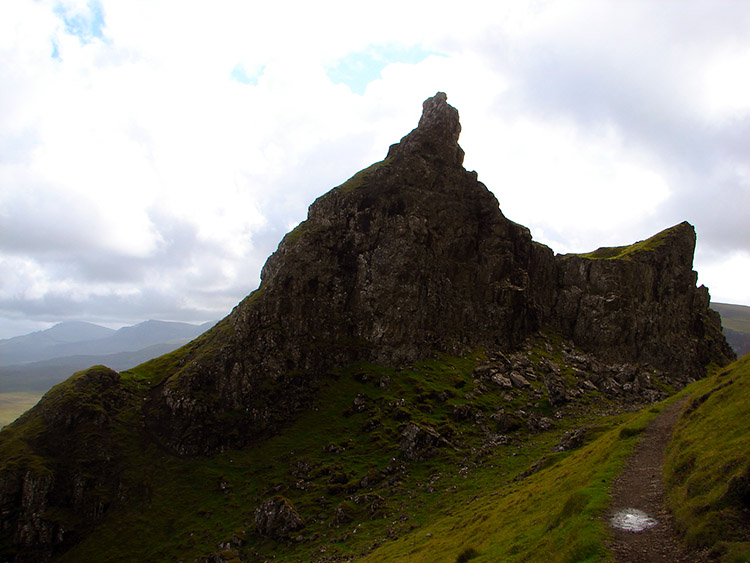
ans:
(640, 487)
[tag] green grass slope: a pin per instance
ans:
(708, 465)
(554, 515)
(629, 251)
(494, 490)
(511, 498)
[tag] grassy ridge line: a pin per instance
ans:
(555, 515)
(628, 251)
(707, 470)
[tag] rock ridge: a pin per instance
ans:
(413, 256)
(409, 258)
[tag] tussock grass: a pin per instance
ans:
(707, 469)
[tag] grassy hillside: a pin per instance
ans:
(496, 487)
(493, 488)
(708, 468)
(735, 320)
(553, 515)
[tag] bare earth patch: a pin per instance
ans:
(638, 502)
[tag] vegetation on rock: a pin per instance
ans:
(415, 377)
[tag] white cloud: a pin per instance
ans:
(726, 277)
(139, 176)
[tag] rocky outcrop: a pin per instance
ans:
(412, 256)
(276, 518)
(409, 257)
(60, 458)
(640, 303)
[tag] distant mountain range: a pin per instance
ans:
(36, 361)
(735, 320)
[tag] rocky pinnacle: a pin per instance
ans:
(436, 136)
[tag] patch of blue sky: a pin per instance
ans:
(56, 51)
(357, 70)
(86, 25)
(243, 76)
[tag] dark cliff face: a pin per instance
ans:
(409, 257)
(640, 304)
(61, 464)
(413, 256)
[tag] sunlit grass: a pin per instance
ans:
(709, 452)
(552, 516)
(13, 405)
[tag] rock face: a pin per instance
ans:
(71, 461)
(413, 255)
(276, 518)
(410, 256)
(640, 303)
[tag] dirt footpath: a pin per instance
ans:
(640, 487)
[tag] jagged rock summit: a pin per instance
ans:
(413, 256)
(436, 137)
(410, 257)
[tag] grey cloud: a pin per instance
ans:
(150, 304)
(639, 71)
(41, 219)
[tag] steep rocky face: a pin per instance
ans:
(640, 303)
(68, 465)
(413, 256)
(410, 256)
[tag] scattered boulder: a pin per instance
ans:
(556, 391)
(483, 371)
(519, 380)
(571, 440)
(537, 423)
(589, 385)
(611, 387)
(420, 441)
(502, 381)
(360, 403)
(276, 518)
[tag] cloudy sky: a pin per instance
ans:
(153, 153)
